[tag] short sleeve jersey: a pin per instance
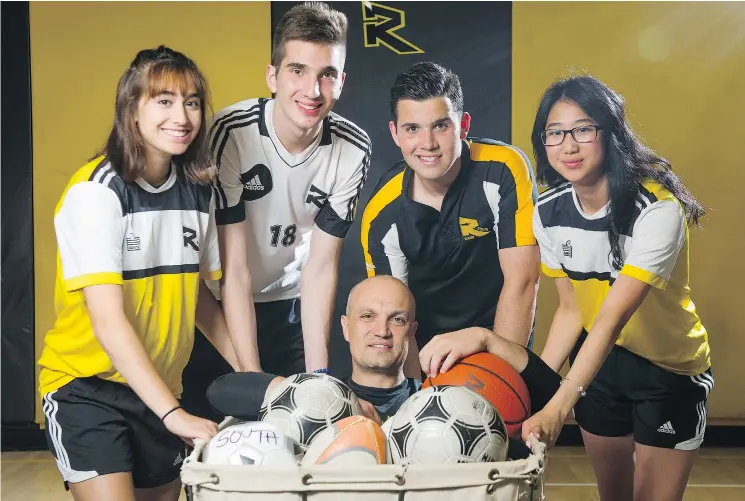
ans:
(282, 196)
(156, 243)
(666, 328)
(450, 258)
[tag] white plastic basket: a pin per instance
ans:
(520, 480)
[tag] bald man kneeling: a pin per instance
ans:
(379, 326)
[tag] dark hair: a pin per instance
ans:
(426, 80)
(313, 22)
(628, 162)
(151, 72)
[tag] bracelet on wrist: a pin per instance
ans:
(322, 371)
(580, 388)
(163, 419)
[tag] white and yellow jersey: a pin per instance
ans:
(156, 243)
(666, 328)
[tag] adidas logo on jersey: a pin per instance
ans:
(666, 428)
(254, 184)
(178, 459)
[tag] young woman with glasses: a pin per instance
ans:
(613, 233)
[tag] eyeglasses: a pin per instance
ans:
(581, 134)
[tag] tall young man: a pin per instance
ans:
(290, 173)
(453, 219)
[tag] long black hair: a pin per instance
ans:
(628, 162)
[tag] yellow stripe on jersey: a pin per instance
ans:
(549, 272)
(665, 329)
(77, 283)
(212, 275)
(523, 185)
(160, 308)
(644, 276)
(387, 194)
(83, 174)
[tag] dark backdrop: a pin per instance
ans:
(471, 38)
(18, 385)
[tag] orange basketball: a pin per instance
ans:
(495, 380)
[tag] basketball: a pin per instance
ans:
(355, 440)
(494, 379)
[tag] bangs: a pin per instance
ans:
(168, 77)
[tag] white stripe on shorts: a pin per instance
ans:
(705, 381)
(55, 432)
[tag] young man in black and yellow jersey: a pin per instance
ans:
(452, 220)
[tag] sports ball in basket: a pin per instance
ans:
(447, 424)
(303, 405)
(494, 379)
(252, 443)
(353, 441)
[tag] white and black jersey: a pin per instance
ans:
(665, 329)
(283, 195)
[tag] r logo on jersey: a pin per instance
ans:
(470, 228)
(190, 235)
(257, 182)
(316, 196)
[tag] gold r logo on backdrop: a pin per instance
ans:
(380, 25)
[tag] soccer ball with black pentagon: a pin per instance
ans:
(303, 405)
(447, 424)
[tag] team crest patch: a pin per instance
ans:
(470, 228)
(257, 182)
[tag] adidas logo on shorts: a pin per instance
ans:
(254, 184)
(666, 428)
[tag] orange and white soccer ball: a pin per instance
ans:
(352, 441)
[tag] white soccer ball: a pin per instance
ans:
(303, 405)
(252, 443)
(446, 424)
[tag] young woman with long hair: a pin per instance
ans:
(136, 239)
(613, 232)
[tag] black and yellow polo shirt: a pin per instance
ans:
(449, 258)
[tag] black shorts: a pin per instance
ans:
(631, 395)
(281, 352)
(96, 427)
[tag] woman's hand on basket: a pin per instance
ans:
(545, 425)
(189, 427)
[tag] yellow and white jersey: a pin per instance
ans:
(156, 243)
(666, 328)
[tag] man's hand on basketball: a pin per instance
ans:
(444, 350)
(190, 427)
(545, 425)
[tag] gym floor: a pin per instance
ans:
(719, 475)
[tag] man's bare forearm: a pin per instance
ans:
(240, 317)
(318, 284)
(516, 310)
